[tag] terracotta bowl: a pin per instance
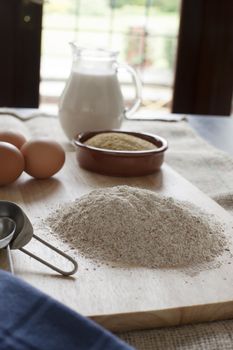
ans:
(120, 163)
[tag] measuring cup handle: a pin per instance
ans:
(138, 89)
(65, 273)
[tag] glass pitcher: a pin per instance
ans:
(92, 98)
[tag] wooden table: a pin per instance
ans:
(216, 130)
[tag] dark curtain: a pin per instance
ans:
(204, 69)
(20, 28)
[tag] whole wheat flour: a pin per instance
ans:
(138, 227)
(119, 141)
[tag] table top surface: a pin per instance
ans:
(216, 130)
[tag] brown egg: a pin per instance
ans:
(11, 163)
(12, 137)
(43, 157)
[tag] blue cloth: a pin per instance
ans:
(32, 320)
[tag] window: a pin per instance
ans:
(143, 31)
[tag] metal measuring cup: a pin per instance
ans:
(7, 230)
(16, 231)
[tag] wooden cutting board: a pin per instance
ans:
(122, 298)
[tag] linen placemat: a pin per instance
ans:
(211, 171)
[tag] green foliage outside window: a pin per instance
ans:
(161, 5)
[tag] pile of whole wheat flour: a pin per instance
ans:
(137, 227)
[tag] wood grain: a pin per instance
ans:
(122, 298)
(4, 261)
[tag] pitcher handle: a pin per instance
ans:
(138, 88)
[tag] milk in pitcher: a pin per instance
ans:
(92, 100)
